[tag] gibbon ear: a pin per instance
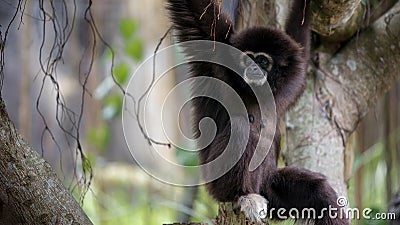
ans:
(199, 20)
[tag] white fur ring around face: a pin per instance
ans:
(254, 207)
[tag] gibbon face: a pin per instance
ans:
(274, 55)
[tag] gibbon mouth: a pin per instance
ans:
(255, 75)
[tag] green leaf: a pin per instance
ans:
(108, 54)
(89, 162)
(187, 158)
(99, 137)
(121, 72)
(112, 106)
(134, 49)
(127, 28)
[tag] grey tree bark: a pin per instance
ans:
(30, 191)
(340, 91)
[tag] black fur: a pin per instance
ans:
(290, 187)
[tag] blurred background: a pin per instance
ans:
(121, 192)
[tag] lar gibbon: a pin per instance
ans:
(282, 57)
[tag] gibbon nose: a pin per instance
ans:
(253, 74)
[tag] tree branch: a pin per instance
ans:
(373, 13)
(336, 20)
(30, 192)
(339, 95)
(361, 72)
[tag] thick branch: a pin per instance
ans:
(30, 192)
(340, 95)
(227, 215)
(374, 13)
(361, 72)
(336, 20)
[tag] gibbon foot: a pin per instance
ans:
(254, 207)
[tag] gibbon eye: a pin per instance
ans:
(247, 58)
(264, 61)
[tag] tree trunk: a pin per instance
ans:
(30, 192)
(339, 94)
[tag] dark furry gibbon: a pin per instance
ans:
(282, 56)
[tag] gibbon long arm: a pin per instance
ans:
(293, 84)
(199, 20)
